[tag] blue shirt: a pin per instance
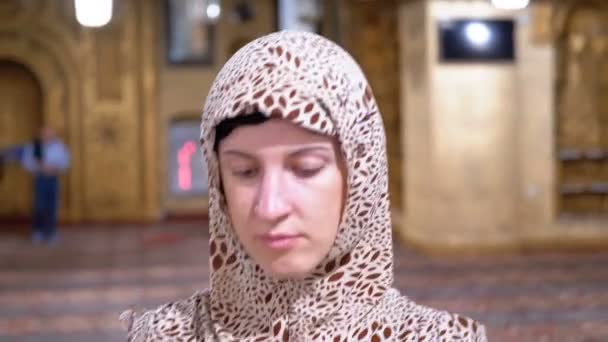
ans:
(54, 154)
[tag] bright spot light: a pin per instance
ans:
(213, 11)
(478, 33)
(93, 13)
(510, 4)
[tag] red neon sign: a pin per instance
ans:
(184, 162)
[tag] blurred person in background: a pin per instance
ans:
(45, 158)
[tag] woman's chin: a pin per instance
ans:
(285, 269)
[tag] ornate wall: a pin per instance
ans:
(581, 29)
(484, 143)
(99, 90)
(368, 30)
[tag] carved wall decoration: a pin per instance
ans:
(51, 63)
(99, 89)
(541, 14)
(108, 62)
(582, 121)
(370, 34)
(108, 133)
(415, 54)
(12, 12)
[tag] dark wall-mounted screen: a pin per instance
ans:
(472, 40)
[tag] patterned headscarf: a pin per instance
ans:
(313, 83)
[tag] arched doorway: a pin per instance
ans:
(20, 118)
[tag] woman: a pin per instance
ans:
(300, 246)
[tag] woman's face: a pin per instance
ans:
(285, 188)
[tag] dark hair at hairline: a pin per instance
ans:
(226, 126)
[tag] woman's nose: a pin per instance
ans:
(271, 203)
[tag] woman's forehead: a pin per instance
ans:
(273, 132)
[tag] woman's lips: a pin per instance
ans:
(280, 241)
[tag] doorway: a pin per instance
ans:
(20, 119)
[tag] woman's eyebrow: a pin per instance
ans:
(295, 152)
(307, 149)
(237, 153)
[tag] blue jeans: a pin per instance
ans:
(46, 200)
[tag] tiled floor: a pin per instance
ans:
(76, 290)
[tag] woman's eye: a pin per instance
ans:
(245, 173)
(306, 171)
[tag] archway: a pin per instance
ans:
(21, 106)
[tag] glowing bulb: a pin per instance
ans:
(213, 11)
(510, 4)
(478, 33)
(93, 13)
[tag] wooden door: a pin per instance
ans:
(20, 119)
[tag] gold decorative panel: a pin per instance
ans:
(370, 35)
(108, 62)
(582, 109)
(99, 88)
(482, 142)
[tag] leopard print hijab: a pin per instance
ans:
(310, 81)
